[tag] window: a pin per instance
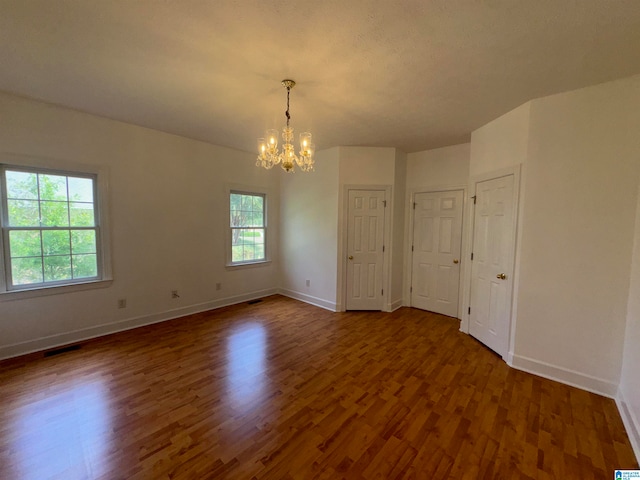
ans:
(248, 227)
(50, 228)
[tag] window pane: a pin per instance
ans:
(81, 214)
(25, 243)
(256, 219)
(248, 253)
(85, 266)
(22, 185)
(258, 238)
(53, 187)
(56, 242)
(55, 214)
(238, 218)
(83, 241)
(259, 252)
(57, 268)
(258, 203)
(236, 236)
(235, 201)
(236, 253)
(23, 213)
(80, 189)
(247, 202)
(26, 270)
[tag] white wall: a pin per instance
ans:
(168, 224)
(501, 143)
(581, 187)
(367, 165)
(629, 391)
(441, 167)
(309, 231)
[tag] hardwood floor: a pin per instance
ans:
(284, 390)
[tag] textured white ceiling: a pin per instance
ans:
(412, 74)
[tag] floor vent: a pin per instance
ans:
(257, 300)
(58, 351)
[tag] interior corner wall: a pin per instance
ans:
(168, 219)
(366, 166)
(309, 232)
(398, 231)
(581, 188)
(427, 171)
(629, 389)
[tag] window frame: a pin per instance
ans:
(253, 191)
(8, 291)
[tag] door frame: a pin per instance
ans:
(409, 240)
(343, 230)
(516, 171)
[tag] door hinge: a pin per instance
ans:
(382, 248)
(410, 289)
(384, 202)
(412, 248)
(414, 205)
(469, 311)
(382, 292)
(471, 255)
(474, 199)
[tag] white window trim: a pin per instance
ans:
(248, 190)
(102, 211)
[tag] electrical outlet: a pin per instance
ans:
(308, 283)
(122, 303)
(174, 294)
(218, 286)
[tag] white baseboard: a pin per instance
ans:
(631, 423)
(310, 299)
(396, 305)
(564, 375)
(53, 341)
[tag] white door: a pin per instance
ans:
(492, 263)
(437, 238)
(365, 234)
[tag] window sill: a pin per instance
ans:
(261, 263)
(53, 290)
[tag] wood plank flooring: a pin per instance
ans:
(285, 390)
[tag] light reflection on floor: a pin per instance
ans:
(246, 356)
(63, 435)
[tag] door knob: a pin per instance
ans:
(350, 257)
(456, 261)
(501, 276)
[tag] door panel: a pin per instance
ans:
(437, 238)
(493, 251)
(365, 234)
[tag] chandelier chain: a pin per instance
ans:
(287, 112)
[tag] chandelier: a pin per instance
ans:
(268, 154)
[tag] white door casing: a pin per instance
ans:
(437, 239)
(492, 263)
(365, 249)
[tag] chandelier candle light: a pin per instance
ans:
(268, 154)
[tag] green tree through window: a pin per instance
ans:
(248, 229)
(50, 230)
